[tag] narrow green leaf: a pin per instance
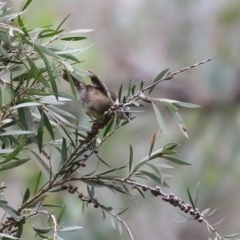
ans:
(108, 128)
(130, 86)
(13, 213)
(70, 56)
(152, 176)
(72, 85)
(51, 99)
(216, 224)
(38, 204)
(5, 236)
(8, 17)
(61, 214)
(83, 207)
(163, 165)
(175, 160)
(41, 49)
(46, 33)
(80, 31)
(232, 235)
(120, 227)
(13, 154)
(37, 182)
(98, 184)
(64, 150)
(15, 132)
(130, 158)
(112, 170)
(170, 146)
(44, 165)
(160, 75)
(168, 152)
(180, 122)
(142, 84)
(48, 125)
(113, 223)
(26, 4)
(205, 212)
(160, 120)
(21, 25)
(63, 120)
(30, 120)
(133, 89)
(210, 214)
(92, 191)
(65, 134)
(190, 199)
(89, 192)
(196, 197)
(4, 36)
(37, 74)
(75, 51)
(183, 104)
(56, 73)
(156, 154)
(73, 38)
(169, 106)
(187, 105)
(120, 93)
(142, 163)
(101, 160)
(157, 78)
(52, 81)
(1, 98)
(127, 192)
(3, 52)
(153, 142)
(63, 21)
(42, 230)
(26, 195)
(140, 192)
(14, 164)
(157, 172)
(123, 211)
(19, 231)
(40, 134)
(26, 104)
(4, 88)
(70, 229)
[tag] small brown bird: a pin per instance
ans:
(95, 98)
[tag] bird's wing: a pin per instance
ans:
(98, 83)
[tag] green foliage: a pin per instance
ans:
(32, 126)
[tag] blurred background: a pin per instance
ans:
(137, 39)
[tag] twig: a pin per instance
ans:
(55, 235)
(156, 191)
(120, 220)
(171, 75)
(213, 230)
(138, 96)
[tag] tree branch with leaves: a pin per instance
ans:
(32, 126)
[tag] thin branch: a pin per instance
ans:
(137, 96)
(157, 191)
(213, 230)
(120, 220)
(55, 235)
(171, 75)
